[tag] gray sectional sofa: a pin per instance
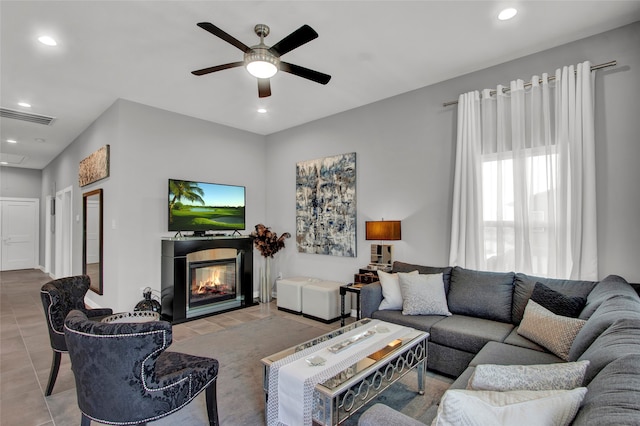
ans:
(487, 309)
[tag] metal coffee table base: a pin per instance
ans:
(333, 406)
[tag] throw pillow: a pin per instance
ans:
(560, 376)
(392, 298)
(544, 408)
(554, 332)
(423, 294)
(557, 302)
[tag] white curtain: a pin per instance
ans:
(524, 190)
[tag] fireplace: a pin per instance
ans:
(205, 275)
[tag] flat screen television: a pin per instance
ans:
(200, 207)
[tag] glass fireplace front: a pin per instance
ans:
(213, 281)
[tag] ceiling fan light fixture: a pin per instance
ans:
(261, 63)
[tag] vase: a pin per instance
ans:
(265, 281)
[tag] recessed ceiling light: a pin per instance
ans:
(40, 140)
(49, 41)
(12, 141)
(4, 163)
(262, 110)
(24, 104)
(507, 14)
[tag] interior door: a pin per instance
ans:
(19, 226)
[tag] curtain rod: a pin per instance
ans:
(552, 78)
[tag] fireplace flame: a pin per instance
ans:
(212, 283)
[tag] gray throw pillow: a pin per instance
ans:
(423, 294)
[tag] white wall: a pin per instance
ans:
(405, 158)
(149, 146)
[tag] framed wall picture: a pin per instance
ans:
(326, 205)
(95, 167)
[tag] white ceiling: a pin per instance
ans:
(144, 51)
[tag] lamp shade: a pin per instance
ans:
(383, 230)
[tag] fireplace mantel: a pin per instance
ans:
(175, 274)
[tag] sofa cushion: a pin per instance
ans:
(481, 294)
(517, 340)
(613, 396)
(620, 339)
(556, 302)
(567, 376)
(391, 295)
(448, 361)
(408, 267)
(468, 333)
(419, 322)
(554, 332)
(465, 407)
(503, 354)
(423, 294)
(612, 285)
(607, 313)
(524, 285)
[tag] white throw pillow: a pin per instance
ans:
(392, 298)
(554, 332)
(561, 376)
(517, 408)
(423, 294)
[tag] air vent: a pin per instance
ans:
(26, 116)
(11, 158)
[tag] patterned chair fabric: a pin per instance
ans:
(59, 297)
(124, 375)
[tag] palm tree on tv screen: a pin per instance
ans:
(180, 189)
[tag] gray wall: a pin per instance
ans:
(20, 183)
(149, 146)
(405, 158)
(405, 149)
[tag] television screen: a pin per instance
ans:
(201, 206)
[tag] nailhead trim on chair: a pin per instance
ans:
(144, 384)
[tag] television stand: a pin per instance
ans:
(236, 232)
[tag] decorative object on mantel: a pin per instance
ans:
(326, 205)
(95, 167)
(268, 244)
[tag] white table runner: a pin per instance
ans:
(292, 380)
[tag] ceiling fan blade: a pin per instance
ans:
(208, 26)
(217, 68)
(302, 35)
(303, 72)
(264, 87)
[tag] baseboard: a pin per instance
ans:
(329, 321)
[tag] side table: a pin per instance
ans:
(349, 288)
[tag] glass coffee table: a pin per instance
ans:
(339, 397)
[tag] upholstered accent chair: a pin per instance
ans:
(125, 376)
(59, 297)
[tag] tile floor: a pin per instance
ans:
(25, 353)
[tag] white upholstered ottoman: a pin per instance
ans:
(290, 293)
(321, 301)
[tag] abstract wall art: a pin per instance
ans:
(326, 205)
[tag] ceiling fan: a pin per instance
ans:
(263, 61)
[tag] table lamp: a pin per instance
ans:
(383, 230)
